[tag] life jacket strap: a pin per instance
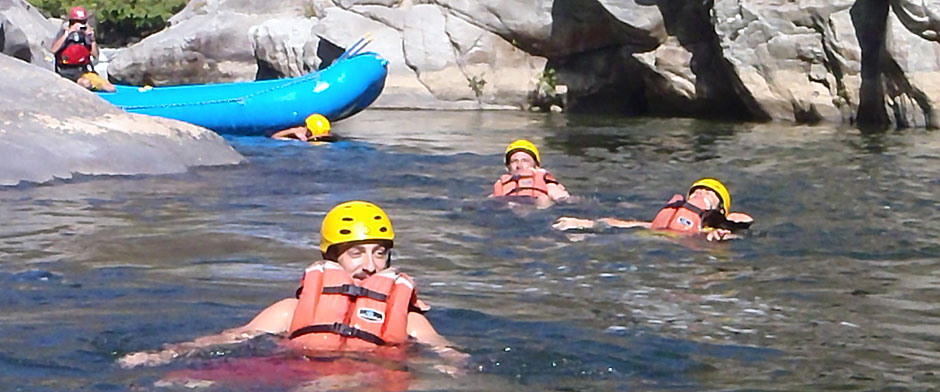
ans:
(355, 292)
(516, 178)
(693, 208)
(520, 189)
(684, 203)
(339, 329)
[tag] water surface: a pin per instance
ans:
(835, 288)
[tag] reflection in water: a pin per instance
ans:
(835, 290)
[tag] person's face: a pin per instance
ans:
(363, 260)
(711, 198)
(520, 161)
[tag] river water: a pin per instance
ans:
(835, 288)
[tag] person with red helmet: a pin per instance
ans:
(75, 48)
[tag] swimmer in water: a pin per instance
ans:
(704, 210)
(352, 300)
(316, 128)
(525, 178)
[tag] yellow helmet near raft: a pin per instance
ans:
(355, 221)
(523, 145)
(318, 125)
(715, 186)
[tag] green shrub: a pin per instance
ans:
(117, 21)
(476, 84)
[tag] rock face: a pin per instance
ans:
(438, 59)
(25, 33)
(869, 62)
(52, 128)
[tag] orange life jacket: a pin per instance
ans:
(76, 51)
(531, 183)
(333, 313)
(681, 215)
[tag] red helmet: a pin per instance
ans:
(78, 13)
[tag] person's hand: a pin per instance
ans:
(449, 370)
(719, 235)
(456, 361)
(301, 133)
(90, 33)
(568, 223)
(740, 217)
(72, 28)
(146, 359)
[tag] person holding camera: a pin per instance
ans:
(74, 48)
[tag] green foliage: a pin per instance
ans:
(548, 80)
(118, 21)
(476, 84)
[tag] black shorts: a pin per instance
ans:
(72, 73)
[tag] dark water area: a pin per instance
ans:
(835, 288)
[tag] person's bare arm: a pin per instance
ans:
(274, 319)
(625, 224)
(90, 36)
(569, 223)
(298, 132)
(60, 40)
(421, 330)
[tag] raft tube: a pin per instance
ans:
(263, 107)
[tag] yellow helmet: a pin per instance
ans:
(715, 186)
(318, 125)
(523, 145)
(355, 221)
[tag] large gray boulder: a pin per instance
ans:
(285, 47)
(53, 128)
(25, 33)
(436, 59)
(208, 41)
(869, 62)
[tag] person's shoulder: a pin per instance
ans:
(547, 175)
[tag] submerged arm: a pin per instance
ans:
(421, 329)
(274, 319)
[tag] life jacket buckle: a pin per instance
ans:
(344, 330)
(352, 290)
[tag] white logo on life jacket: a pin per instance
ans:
(371, 315)
(685, 221)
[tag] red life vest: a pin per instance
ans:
(532, 183)
(333, 313)
(681, 215)
(75, 52)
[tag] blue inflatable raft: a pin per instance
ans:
(261, 107)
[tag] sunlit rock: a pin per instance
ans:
(25, 33)
(52, 128)
(285, 47)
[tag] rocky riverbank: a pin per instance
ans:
(52, 128)
(868, 62)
